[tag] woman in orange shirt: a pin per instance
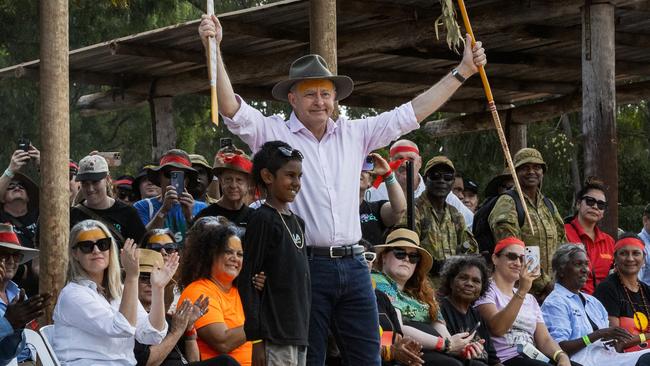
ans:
(212, 260)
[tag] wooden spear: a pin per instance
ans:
(212, 69)
(495, 118)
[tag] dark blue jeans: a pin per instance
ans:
(342, 296)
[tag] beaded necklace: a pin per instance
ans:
(637, 319)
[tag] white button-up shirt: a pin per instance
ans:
(329, 197)
(88, 330)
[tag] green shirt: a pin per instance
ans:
(411, 309)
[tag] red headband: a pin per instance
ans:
(123, 182)
(629, 241)
(399, 149)
(394, 165)
(175, 159)
(238, 161)
(506, 242)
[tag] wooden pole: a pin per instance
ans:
(322, 30)
(517, 136)
(212, 70)
(599, 103)
(55, 141)
(165, 132)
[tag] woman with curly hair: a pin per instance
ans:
(404, 265)
(212, 260)
(464, 280)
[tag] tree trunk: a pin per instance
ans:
(599, 103)
(55, 149)
(163, 130)
(322, 34)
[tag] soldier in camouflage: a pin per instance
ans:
(440, 226)
(548, 224)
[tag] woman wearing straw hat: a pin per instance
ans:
(405, 265)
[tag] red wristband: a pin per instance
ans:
(440, 344)
(190, 333)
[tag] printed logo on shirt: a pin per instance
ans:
(605, 256)
(296, 239)
(368, 218)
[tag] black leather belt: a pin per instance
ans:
(336, 252)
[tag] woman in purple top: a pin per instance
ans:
(512, 315)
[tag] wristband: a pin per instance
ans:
(447, 346)
(586, 340)
(556, 354)
(390, 179)
(8, 173)
(642, 337)
(523, 297)
(440, 344)
(257, 341)
(456, 74)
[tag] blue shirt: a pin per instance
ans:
(174, 221)
(566, 316)
(12, 291)
(11, 342)
(644, 273)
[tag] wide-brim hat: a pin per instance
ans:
(232, 158)
(30, 187)
(405, 238)
(492, 188)
(174, 158)
(9, 240)
(149, 259)
(312, 67)
(528, 155)
(438, 160)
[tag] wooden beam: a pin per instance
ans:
(529, 113)
(599, 103)
(167, 54)
(55, 147)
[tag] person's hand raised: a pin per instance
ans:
(130, 258)
(210, 27)
(160, 276)
(19, 159)
(473, 57)
(526, 277)
(381, 165)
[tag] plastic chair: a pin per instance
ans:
(13, 362)
(43, 352)
(48, 336)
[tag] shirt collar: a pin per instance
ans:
(87, 283)
(295, 125)
(12, 290)
(565, 292)
(581, 231)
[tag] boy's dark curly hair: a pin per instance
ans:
(455, 264)
(272, 158)
(206, 241)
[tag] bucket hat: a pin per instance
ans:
(528, 155)
(438, 160)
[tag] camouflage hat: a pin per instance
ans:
(438, 160)
(200, 160)
(528, 155)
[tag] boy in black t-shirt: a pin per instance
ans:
(277, 318)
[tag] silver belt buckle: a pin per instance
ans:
(332, 253)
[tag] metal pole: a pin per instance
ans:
(410, 209)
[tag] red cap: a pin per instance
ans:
(506, 242)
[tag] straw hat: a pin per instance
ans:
(9, 240)
(149, 259)
(405, 238)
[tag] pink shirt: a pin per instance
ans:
(329, 197)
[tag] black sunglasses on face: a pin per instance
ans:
(401, 254)
(14, 185)
(169, 248)
(290, 153)
(511, 256)
(145, 278)
(444, 176)
(87, 246)
(590, 201)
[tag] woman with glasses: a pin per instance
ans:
(163, 242)
(512, 315)
(591, 204)
(211, 263)
(404, 267)
(97, 317)
(378, 216)
(464, 280)
(626, 299)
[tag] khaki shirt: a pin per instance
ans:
(443, 236)
(549, 229)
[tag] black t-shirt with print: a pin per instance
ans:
(372, 228)
(122, 217)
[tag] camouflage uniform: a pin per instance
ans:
(549, 227)
(443, 236)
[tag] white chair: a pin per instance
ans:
(43, 353)
(13, 362)
(48, 336)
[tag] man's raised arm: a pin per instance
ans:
(432, 99)
(211, 27)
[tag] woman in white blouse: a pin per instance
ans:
(97, 318)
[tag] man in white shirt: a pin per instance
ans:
(406, 149)
(342, 296)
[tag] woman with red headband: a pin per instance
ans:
(513, 315)
(626, 299)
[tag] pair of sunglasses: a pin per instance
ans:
(14, 185)
(87, 246)
(590, 201)
(448, 177)
(145, 278)
(512, 256)
(290, 153)
(401, 254)
(169, 247)
(370, 256)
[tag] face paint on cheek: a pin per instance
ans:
(317, 84)
(93, 234)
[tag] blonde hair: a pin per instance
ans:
(112, 281)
